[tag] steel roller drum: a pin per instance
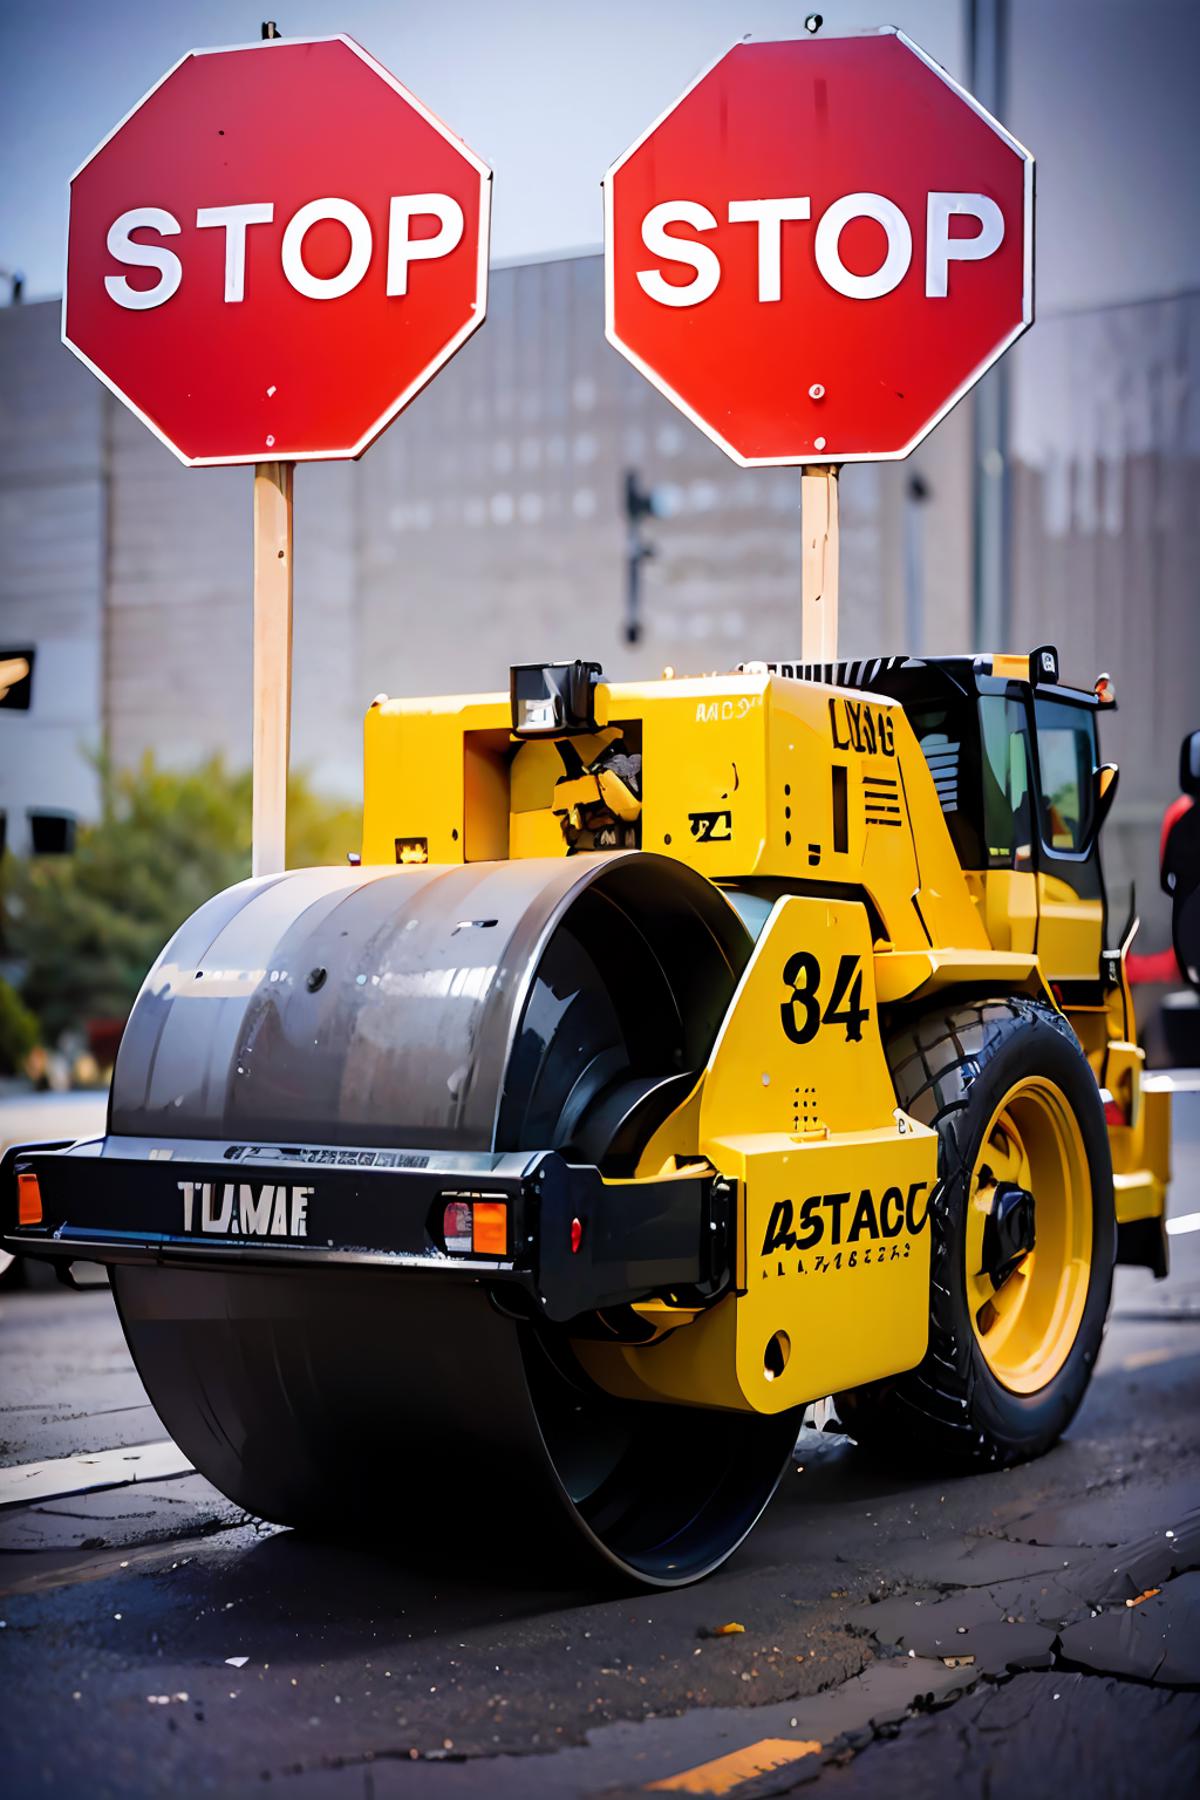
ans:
(488, 1006)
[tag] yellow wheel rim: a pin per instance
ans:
(1026, 1326)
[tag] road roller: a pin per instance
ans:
(674, 1054)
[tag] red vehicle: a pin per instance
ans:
(1180, 857)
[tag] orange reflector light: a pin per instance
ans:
(29, 1200)
(490, 1234)
(475, 1227)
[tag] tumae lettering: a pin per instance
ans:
(843, 1219)
(245, 1209)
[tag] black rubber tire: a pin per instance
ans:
(951, 1069)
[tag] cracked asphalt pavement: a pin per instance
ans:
(1006, 1633)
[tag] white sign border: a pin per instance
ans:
(823, 458)
(479, 305)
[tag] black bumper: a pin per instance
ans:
(194, 1202)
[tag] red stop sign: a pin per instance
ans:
(819, 248)
(274, 251)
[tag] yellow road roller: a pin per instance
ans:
(676, 1053)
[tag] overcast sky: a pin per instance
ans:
(551, 91)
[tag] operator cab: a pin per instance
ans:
(1015, 759)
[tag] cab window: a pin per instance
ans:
(943, 732)
(1007, 809)
(1066, 745)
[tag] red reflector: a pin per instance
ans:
(29, 1200)
(491, 1228)
(456, 1227)
(576, 1235)
(1113, 1114)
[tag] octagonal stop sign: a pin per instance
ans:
(819, 248)
(274, 251)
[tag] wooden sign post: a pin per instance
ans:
(819, 564)
(272, 663)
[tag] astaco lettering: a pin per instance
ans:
(838, 1219)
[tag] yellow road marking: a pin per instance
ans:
(728, 1772)
(83, 1565)
(1146, 1359)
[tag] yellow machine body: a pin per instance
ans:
(813, 803)
(744, 777)
(833, 1182)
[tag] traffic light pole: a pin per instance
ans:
(272, 662)
(819, 563)
(639, 505)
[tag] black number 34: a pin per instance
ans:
(801, 1012)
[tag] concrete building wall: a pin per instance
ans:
(1106, 537)
(179, 611)
(178, 603)
(486, 527)
(493, 530)
(52, 558)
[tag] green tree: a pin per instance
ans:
(18, 1030)
(87, 927)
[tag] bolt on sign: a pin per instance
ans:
(268, 257)
(814, 253)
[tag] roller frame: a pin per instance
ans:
(105, 1200)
